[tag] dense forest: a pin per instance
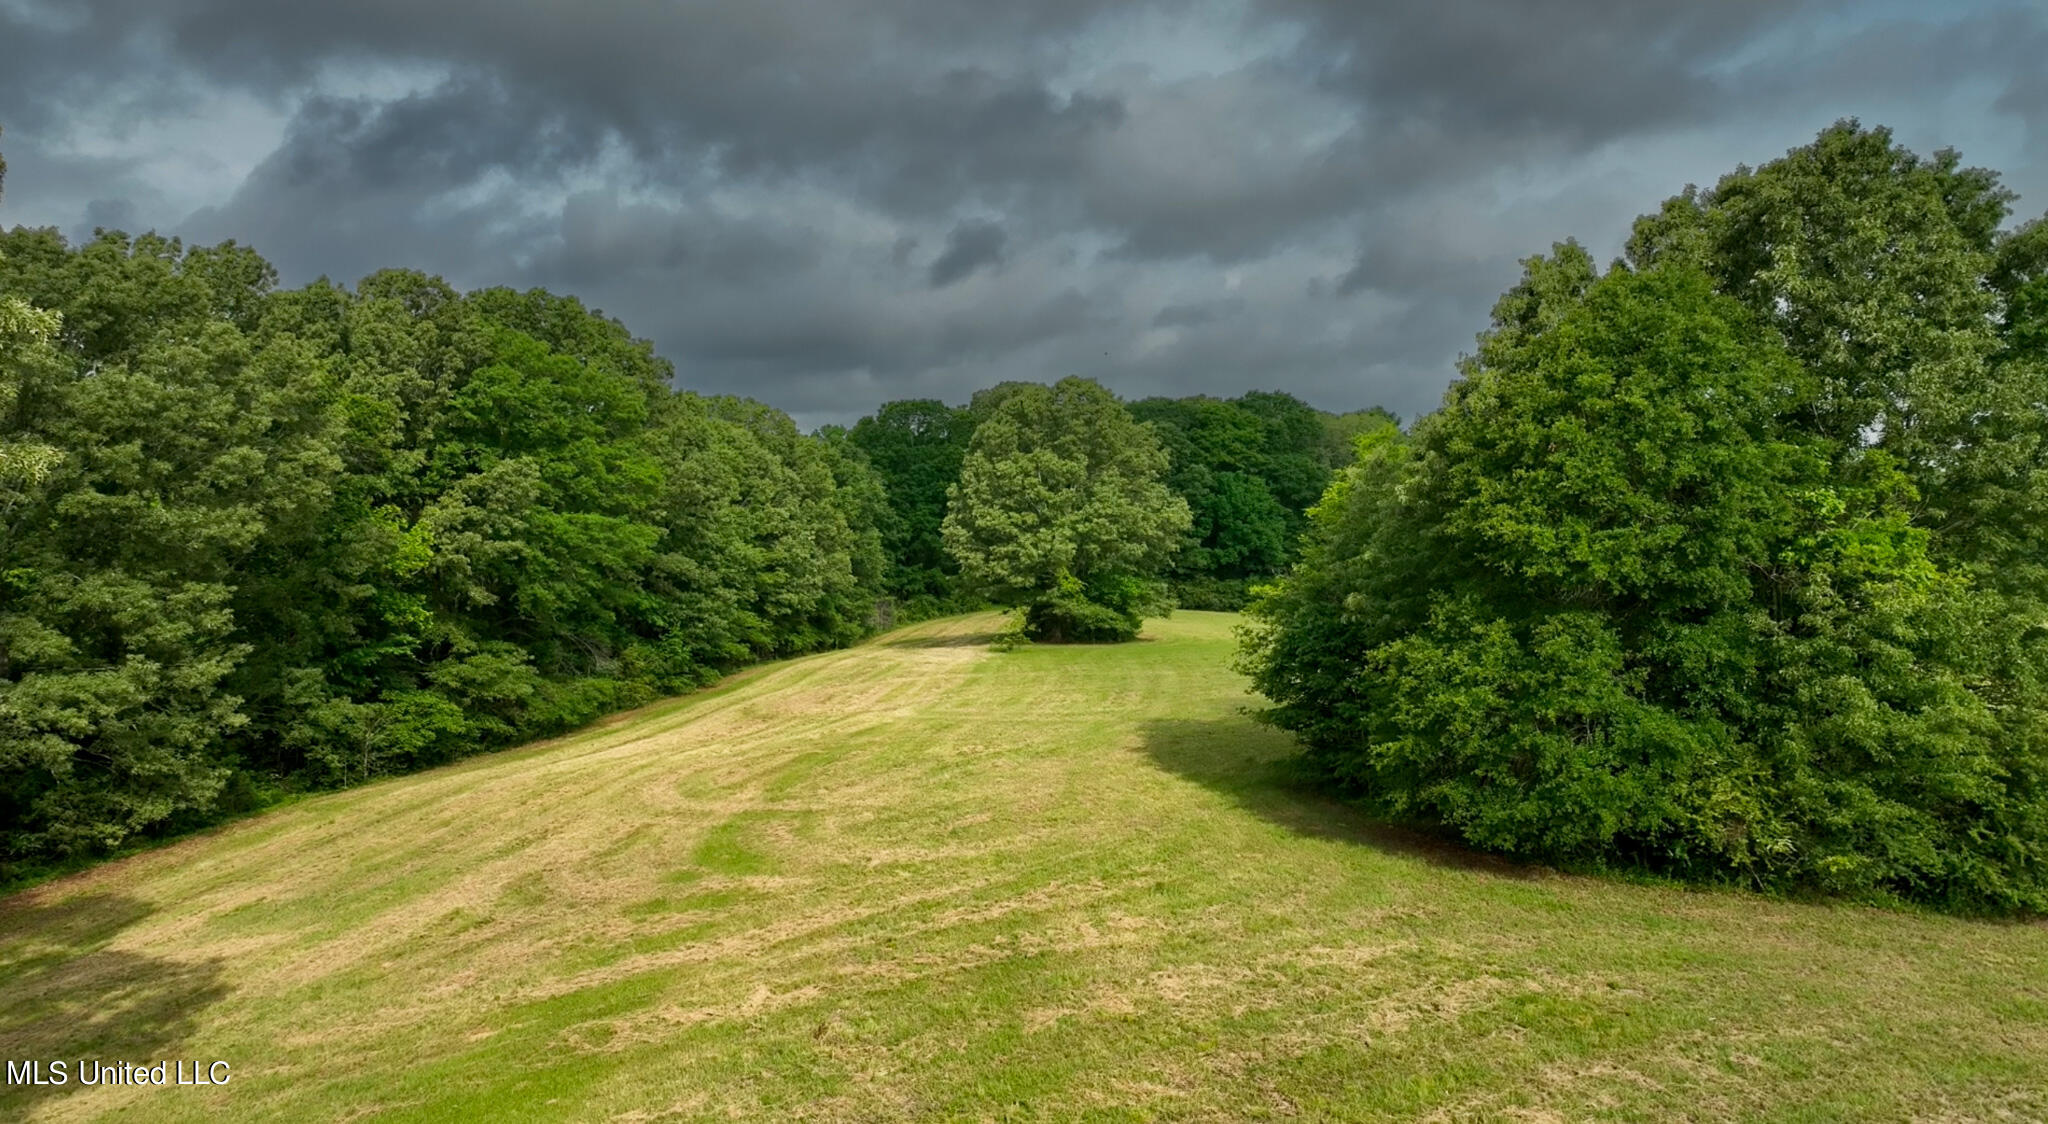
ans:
(258, 540)
(1727, 561)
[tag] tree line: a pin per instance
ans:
(1729, 561)
(1247, 469)
(258, 541)
(255, 541)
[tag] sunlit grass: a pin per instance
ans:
(922, 880)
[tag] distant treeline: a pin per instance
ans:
(1248, 467)
(258, 541)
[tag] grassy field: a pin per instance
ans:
(922, 880)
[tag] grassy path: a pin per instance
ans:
(919, 880)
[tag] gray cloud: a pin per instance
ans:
(1574, 71)
(1192, 314)
(826, 206)
(970, 246)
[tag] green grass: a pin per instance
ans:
(921, 880)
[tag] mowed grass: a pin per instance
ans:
(922, 880)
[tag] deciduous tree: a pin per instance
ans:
(1062, 509)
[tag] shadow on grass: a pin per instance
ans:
(942, 640)
(1258, 769)
(66, 996)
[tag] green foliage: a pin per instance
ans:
(152, 468)
(1878, 269)
(1106, 610)
(1061, 508)
(1629, 597)
(1012, 635)
(1342, 431)
(1209, 594)
(915, 448)
(1248, 468)
(254, 540)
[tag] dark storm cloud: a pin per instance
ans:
(1395, 260)
(830, 205)
(2027, 98)
(359, 184)
(1196, 313)
(112, 214)
(27, 70)
(768, 85)
(1575, 72)
(969, 247)
(599, 237)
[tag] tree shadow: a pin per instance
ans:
(1258, 768)
(979, 639)
(66, 996)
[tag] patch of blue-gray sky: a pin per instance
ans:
(830, 206)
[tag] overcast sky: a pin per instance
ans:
(826, 205)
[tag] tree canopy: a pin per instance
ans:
(1249, 469)
(1061, 508)
(256, 540)
(1724, 562)
(916, 447)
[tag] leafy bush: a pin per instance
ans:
(1211, 594)
(1108, 610)
(1011, 636)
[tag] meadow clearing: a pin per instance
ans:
(918, 879)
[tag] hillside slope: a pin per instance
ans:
(918, 879)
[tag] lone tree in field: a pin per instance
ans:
(1062, 508)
